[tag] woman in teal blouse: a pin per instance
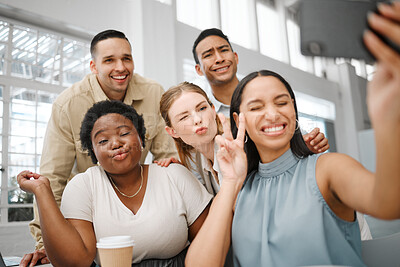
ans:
(297, 209)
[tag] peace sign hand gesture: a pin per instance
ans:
(231, 156)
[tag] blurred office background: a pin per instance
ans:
(44, 48)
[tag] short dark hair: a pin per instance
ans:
(102, 108)
(104, 35)
(203, 35)
(297, 144)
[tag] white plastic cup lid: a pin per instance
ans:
(115, 242)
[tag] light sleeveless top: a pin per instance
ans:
(281, 219)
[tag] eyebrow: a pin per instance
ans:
(124, 55)
(184, 112)
(219, 48)
(101, 131)
(275, 98)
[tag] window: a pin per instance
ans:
(238, 22)
(316, 112)
(296, 58)
(269, 32)
(201, 14)
(35, 66)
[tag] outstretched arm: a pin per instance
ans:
(212, 242)
(67, 242)
(376, 194)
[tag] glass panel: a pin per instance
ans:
(20, 69)
(315, 106)
(24, 38)
(48, 44)
(269, 32)
(41, 129)
(20, 214)
(4, 29)
(22, 144)
(42, 74)
(201, 14)
(236, 21)
(22, 128)
(73, 76)
(23, 56)
(74, 49)
(2, 57)
(22, 160)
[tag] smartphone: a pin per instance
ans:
(334, 28)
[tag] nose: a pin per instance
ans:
(197, 118)
(116, 143)
(218, 58)
(119, 65)
(271, 114)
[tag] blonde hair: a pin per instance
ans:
(167, 99)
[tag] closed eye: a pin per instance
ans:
(282, 103)
(125, 133)
(183, 118)
(102, 142)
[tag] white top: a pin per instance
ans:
(172, 202)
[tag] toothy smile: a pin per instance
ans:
(119, 77)
(273, 129)
(222, 69)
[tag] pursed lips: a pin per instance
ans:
(201, 130)
(119, 153)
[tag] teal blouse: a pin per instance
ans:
(281, 219)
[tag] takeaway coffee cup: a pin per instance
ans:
(115, 251)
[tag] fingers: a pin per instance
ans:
(36, 257)
(321, 143)
(388, 28)
(26, 259)
(241, 129)
(385, 25)
(45, 260)
(165, 162)
(226, 127)
(311, 135)
(391, 11)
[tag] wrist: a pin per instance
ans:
(41, 189)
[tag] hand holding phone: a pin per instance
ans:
(335, 28)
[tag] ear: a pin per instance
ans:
(93, 67)
(171, 132)
(236, 58)
(198, 70)
(236, 118)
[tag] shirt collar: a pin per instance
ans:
(134, 90)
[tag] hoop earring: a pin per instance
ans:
(246, 138)
(297, 125)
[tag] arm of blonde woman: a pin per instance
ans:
(212, 242)
(67, 242)
(376, 194)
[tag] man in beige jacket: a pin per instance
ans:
(112, 78)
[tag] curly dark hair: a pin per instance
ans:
(102, 108)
